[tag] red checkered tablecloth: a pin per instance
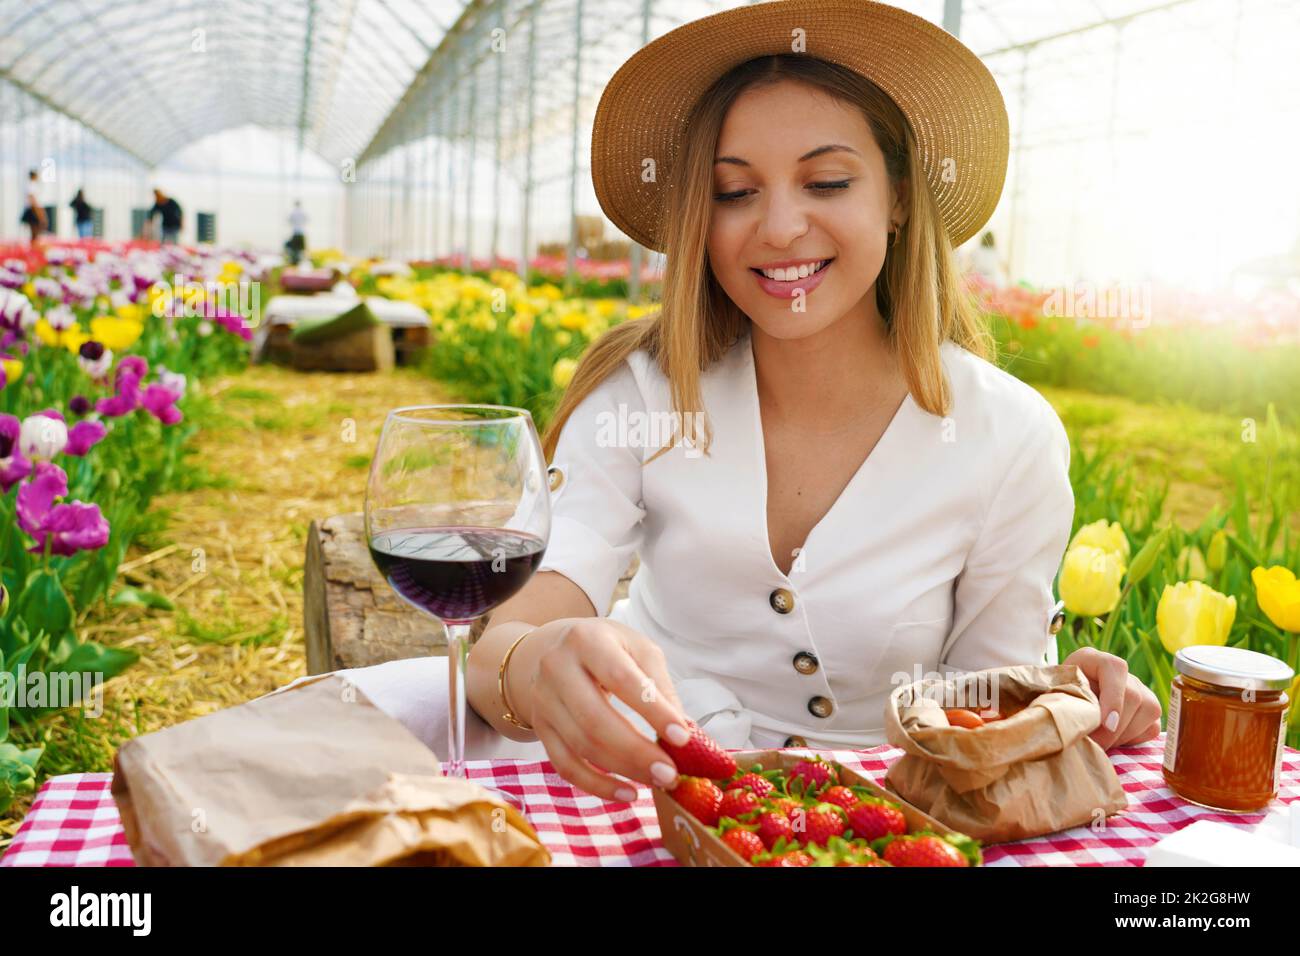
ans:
(73, 820)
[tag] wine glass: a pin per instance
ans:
(458, 516)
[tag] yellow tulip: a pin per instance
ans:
(606, 308)
(1191, 612)
(1191, 564)
(1278, 593)
(1090, 580)
(13, 370)
(129, 311)
(573, 320)
(1107, 536)
(45, 332)
(520, 325)
(117, 334)
(562, 338)
(1216, 555)
(73, 336)
(562, 373)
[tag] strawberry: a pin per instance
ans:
(773, 826)
(822, 822)
(736, 803)
(698, 797)
(873, 819)
(759, 784)
(700, 756)
(925, 849)
(744, 842)
(788, 858)
(840, 796)
(784, 805)
(810, 776)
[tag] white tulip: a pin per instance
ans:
(42, 437)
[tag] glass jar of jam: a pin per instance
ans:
(1226, 727)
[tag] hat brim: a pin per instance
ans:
(948, 95)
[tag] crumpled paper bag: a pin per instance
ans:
(1034, 772)
(313, 775)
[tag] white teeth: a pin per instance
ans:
(792, 272)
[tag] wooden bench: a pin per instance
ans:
(351, 617)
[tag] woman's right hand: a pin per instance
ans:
(562, 690)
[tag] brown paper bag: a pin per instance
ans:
(313, 775)
(1031, 773)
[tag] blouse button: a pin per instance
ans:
(820, 707)
(795, 741)
(805, 663)
(782, 601)
(555, 476)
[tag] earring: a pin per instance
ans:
(893, 233)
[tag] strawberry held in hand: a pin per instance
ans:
(700, 756)
(698, 797)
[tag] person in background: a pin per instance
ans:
(297, 240)
(169, 210)
(33, 216)
(985, 261)
(83, 214)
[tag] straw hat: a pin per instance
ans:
(946, 93)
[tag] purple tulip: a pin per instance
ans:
(84, 436)
(234, 324)
(68, 528)
(160, 401)
(127, 380)
(14, 467)
(79, 405)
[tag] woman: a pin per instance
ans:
(33, 216)
(84, 215)
(860, 496)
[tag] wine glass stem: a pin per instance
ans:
(457, 655)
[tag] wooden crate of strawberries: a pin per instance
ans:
(779, 808)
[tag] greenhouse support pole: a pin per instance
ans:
(408, 213)
(634, 261)
(526, 217)
(1013, 226)
(570, 265)
(453, 127)
(471, 132)
(496, 132)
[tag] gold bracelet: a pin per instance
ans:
(509, 715)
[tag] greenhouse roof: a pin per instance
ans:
(154, 76)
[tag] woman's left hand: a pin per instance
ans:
(1130, 712)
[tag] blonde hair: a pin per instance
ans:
(920, 292)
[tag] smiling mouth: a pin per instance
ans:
(791, 273)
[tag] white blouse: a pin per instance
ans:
(938, 556)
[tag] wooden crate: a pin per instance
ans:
(365, 350)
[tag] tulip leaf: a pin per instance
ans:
(1145, 559)
(139, 597)
(90, 657)
(43, 603)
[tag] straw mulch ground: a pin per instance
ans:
(286, 448)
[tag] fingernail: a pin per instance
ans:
(1112, 720)
(626, 794)
(678, 735)
(663, 774)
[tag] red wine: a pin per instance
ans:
(456, 574)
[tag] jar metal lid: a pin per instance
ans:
(1233, 667)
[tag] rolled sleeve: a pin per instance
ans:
(1003, 599)
(596, 505)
